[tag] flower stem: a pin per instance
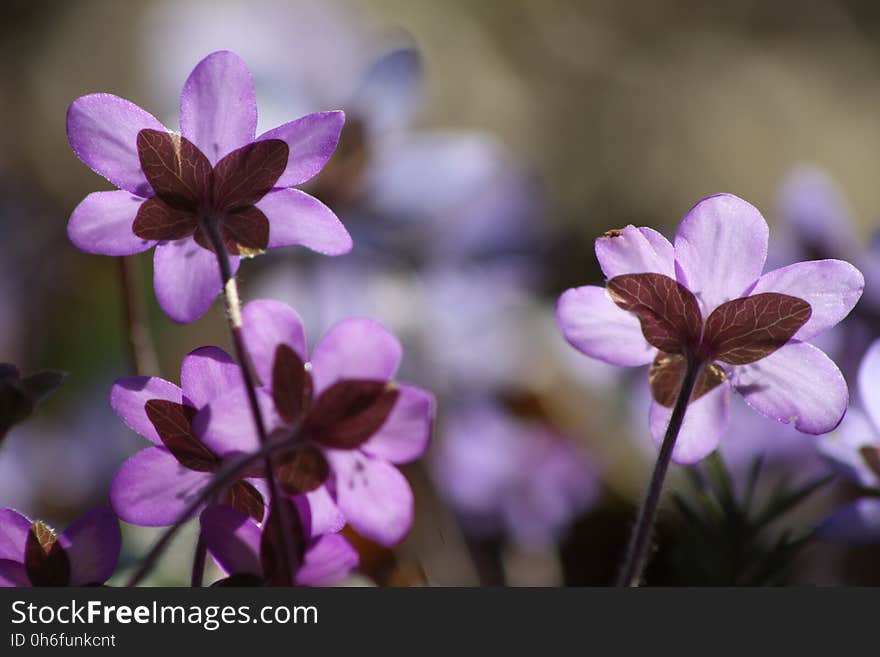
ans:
(142, 354)
(640, 541)
(233, 316)
(198, 567)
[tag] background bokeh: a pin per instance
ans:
(474, 177)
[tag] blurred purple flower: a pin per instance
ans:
(31, 554)
(355, 425)
(854, 452)
(216, 171)
(504, 476)
(248, 556)
(706, 298)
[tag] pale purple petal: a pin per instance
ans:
(797, 383)
(218, 107)
(405, 434)
(842, 448)
(102, 130)
(390, 91)
(635, 251)
(128, 397)
(720, 249)
(266, 324)
(355, 348)
(13, 574)
(207, 373)
(374, 496)
(595, 326)
(831, 287)
(101, 224)
(328, 560)
(858, 522)
(14, 529)
(187, 279)
(297, 219)
(92, 544)
(233, 539)
(226, 425)
(152, 488)
(704, 423)
(325, 516)
(311, 140)
(869, 382)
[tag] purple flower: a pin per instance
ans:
(354, 423)
(705, 298)
(511, 477)
(31, 554)
(249, 555)
(854, 452)
(215, 173)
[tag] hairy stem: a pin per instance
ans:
(233, 316)
(640, 541)
(141, 353)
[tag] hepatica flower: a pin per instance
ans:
(85, 554)
(704, 301)
(216, 176)
(250, 554)
(354, 423)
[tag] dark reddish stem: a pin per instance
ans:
(640, 542)
(142, 355)
(198, 567)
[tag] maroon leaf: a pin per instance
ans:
(244, 497)
(871, 454)
(668, 311)
(247, 174)
(173, 423)
(302, 469)
(350, 411)
(157, 220)
(245, 231)
(176, 169)
(45, 560)
(667, 373)
(748, 329)
(275, 566)
(291, 384)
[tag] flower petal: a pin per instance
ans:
(14, 529)
(218, 106)
(92, 544)
(594, 325)
(404, 435)
(102, 224)
(312, 140)
(226, 424)
(858, 522)
(635, 251)
(233, 539)
(704, 423)
(206, 373)
(13, 574)
(324, 516)
(374, 496)
(798, 383)
(187, 279)
(295, 218)
(128, 397)
(720, 249)
(266, 324)
(842, 448)
(328, 560)
(102, 130)
(355, 348)
(152, 489)
(831, 287)
(869, 382)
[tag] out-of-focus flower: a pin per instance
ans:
(85, 554)
(511, 477)
(854, 452)
(175, 191)
(355, 425)
(705, 300)
(249, 555)
(20, 395)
